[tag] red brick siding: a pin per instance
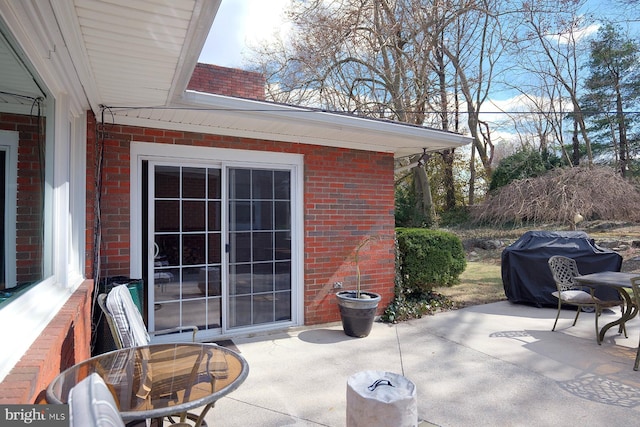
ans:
(64, 342)
(348, 196)
(29, 205)
(227, 81)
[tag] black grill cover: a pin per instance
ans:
(525, 273)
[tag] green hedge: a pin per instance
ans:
(429, 258)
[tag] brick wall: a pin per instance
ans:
(348, 196)
(64, 342)
(29, 205)
(227, 81)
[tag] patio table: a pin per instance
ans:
(159, 380)
(620, 282)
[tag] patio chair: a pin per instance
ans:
(568, 292)
(91, 404)
(125, 321)
(128, 330)
(635, 285)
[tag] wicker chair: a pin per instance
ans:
(568, 292)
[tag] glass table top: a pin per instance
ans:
(159, 379)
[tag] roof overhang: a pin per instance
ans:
(223, 115)
(142, 54)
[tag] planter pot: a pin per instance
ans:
(357, 314)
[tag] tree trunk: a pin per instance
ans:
(576, 145)
(449, 183)
(622, 132)
(423, 194)
(472, 176)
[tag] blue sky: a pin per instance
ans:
(240, 23)
(237, 24)
(243, 22)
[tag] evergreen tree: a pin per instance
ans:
(613, 88)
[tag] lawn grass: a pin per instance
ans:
(480, 283)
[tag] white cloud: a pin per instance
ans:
(238, 24)
(577, 35)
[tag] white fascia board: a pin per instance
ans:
(203, 15)
(74, 40)
(245, 133)
(301, 115)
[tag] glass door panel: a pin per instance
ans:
(187, 247)
(259, 247)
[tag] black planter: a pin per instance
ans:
(357, 314)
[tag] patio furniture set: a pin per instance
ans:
(578, 290)
(143, 382)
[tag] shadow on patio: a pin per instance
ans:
(494, 364)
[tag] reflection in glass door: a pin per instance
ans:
(187, 247)
(259, 247)
(199, 276)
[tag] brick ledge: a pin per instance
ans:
(64, 342)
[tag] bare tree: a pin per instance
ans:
(415, 61)
(378, 58)
(473, 52)
(548, 47)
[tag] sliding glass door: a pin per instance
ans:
(222, 252)
(187, 256)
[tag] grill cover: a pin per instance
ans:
(525, 273)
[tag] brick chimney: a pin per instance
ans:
(227, 81)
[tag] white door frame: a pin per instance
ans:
(144, 151)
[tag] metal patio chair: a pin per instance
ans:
(128, 330)
(635, 285)
(568, 292)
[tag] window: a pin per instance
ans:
(26, 176)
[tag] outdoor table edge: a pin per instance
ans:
(160, 412)
(593, 279)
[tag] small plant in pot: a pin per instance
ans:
(358, 307)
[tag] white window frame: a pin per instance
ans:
(31, 312)
(34, 32)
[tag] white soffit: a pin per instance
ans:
(138, 51)
(217, 114)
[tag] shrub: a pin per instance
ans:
(414, 306)
(595, 192)
(407, 213)
(520, 165)
(455, 217)
(428, 258)
(418, 269)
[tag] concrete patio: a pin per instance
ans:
(494, 364)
